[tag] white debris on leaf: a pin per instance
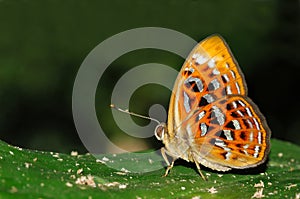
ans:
(125, 170)
(122, 186)
(100, 161)
(105, 159)
(86, 180)
(79, 171)
(212, 190)
(120, 173)
(280, 155)
(74, 153)
(258, 193)
(89, 181)
(113, 184)
(68, 184)
(18, 148)
(290, 186)
(259, 190)
(56, 155)
(27, 165)
(260, 184)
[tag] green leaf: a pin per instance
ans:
(36, 174)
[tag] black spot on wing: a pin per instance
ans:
(203, 102)
(212, 141)
(243, 135)
(221, 134)
(234, 114)
(187, 73)
(230, 125)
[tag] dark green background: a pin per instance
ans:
(43, 43)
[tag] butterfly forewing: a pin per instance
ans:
(210, 111)
(209, 73)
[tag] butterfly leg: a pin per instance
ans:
(199, 170)
(170, 166)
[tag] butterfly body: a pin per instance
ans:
(211, 121)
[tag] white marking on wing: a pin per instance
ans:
(197, 80)
(234, 104)
(256, 149)
(211, 63)
(237, 87)
(232, 73)
(209, 98)
(226, 77)
(228, 135)
(249, 112)
(201, 59)
(228, 90)
(228, 154)
(203, 129)
(246, 153)
(199, 84)
(219, 115)
(256, 123)
(216, 72)
(189, 69)
(259, 137)
(240, 113)
(216, 84)
(242, 103)
(222, 144)
(201, 115)
(186, 102)
(236, 124)
(251, 136)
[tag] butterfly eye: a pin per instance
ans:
(160, 131)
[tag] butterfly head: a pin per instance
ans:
(161, 132)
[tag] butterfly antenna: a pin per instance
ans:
(134, 114)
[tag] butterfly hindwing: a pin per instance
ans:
(232, 133)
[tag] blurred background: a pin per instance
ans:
(43, 44)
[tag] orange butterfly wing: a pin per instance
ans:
(210, 111)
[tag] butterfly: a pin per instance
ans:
(211, 121)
